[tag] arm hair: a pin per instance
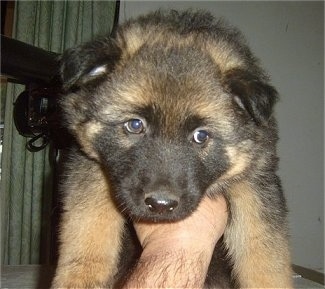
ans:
(172, 269)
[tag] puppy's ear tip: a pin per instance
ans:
(98, 70)
(69, 70)
(252, 92)
(91, 61)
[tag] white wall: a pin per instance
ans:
(289, 39)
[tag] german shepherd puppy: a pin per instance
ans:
(172, 108)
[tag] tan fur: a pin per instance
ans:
(241, 146)
(88, 222)
(256, 263)
(85, 133)
(223, 55)
(221, 52)
(240, 161)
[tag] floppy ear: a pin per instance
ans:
(252, 92)
(83, 65)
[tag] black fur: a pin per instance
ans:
(173, 81)
(77, 62)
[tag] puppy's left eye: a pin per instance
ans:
(200, 136)
(134, 126)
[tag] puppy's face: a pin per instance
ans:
(160, 140)
(168, 125)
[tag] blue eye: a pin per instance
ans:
(134, 126)
(200, 136)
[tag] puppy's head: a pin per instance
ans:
(170, 117)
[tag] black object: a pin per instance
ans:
(36, 113)
(35, 110)
(26, 63)
(35, 116)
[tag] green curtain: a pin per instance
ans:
(26, 178)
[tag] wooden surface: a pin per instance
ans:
(36, 277)
(31, 276)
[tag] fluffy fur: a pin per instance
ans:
(173, 108)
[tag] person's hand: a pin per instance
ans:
(199, 231)
(177, 255)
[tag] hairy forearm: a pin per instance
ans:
(178, 254)
(171, 269)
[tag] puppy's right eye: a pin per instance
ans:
(134, 126)
(200, 136)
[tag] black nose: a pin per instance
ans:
(160, 204)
